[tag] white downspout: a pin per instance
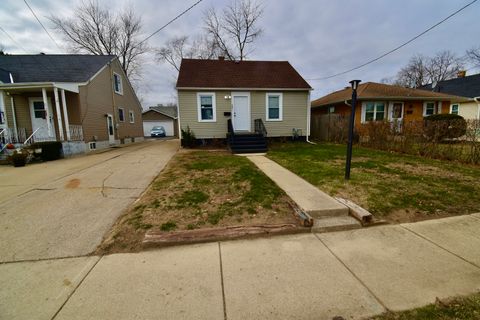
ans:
(476, 99)
(309, 116)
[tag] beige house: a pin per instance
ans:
(465, 86)
(243, 101)
(84, 101)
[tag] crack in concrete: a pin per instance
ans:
(103, 184)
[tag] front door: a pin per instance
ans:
(110, 130)
(396, 114)
(241, 111)
(38, 114)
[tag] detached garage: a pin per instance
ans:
(161, 116)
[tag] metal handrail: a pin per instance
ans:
(260, 127)
(31, 136)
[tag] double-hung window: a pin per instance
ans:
(121, 115)
(274, 106)
(428, 108)
(131, 116)
(117, 83)
(206, 107)
(374, 111)
(454, 108)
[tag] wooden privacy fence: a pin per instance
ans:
(329, 127)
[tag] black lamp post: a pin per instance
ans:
(354, 84)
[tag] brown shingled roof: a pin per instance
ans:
(373, 90)
(196, 73)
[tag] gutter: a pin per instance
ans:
(476, 99)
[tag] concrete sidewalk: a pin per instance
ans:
(353, 274)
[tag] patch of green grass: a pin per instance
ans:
(467, 308)
(215, 217)
(168, 226)
(155, 203)
(137, 222)
(385, 182)
(191, 198)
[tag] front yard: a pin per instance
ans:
(201, 189)
(392, 186)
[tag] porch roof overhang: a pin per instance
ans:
(34, 86)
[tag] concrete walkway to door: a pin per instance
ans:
(308, 197)
(63, 208)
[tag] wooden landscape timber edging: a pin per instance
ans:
(164, 239)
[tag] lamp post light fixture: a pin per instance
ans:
(354, 84)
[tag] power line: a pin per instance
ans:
(396, 48)
(13, 40)
(171, 21)
(48, 33)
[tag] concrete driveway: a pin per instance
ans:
(63, 208)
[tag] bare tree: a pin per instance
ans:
(96, 30)
(235, 29)
(473, 55)
(414, 74)
(177, 48)
(422, 70)
(443, 66)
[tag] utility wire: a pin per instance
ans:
(396, 48)
(171, 21)
(13, 40)
(48, 33)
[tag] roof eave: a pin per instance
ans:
(243, 88)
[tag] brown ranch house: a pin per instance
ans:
(243, 101)
(84, 101)
(381, 102)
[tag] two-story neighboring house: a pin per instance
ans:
(84, 101)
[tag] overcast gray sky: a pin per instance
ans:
(318, 37)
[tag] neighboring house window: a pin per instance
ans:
(117, 83)
(2, 117)
(454, 108)
(274, 106)
(374, 111)
(331, 109)
(121, 115)
(428, 108)
(131, 116)
(206, 107)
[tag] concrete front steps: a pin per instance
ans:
(328, 214)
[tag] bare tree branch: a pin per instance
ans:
(422, 70)
(97, 31)
(473, 55)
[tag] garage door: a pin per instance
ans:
(148, 125)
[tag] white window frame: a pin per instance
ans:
(120, 91)
(214, 106)
(425, 108)
(364, 111)
(118, 114)
(458, 108)
(131, 116)
(280, 105)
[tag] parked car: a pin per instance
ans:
(158, 131)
